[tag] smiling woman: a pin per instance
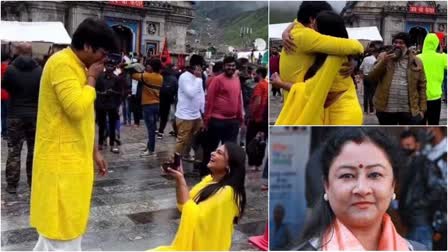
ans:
(360, 171)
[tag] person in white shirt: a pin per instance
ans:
(190, 105)
(369, 85)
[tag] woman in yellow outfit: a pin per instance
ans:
(326, 89)
(214, 205)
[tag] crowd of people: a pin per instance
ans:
(219, 110)
(318, 65)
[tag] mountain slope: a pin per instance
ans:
(219, 24)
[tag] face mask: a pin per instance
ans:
(408, 152)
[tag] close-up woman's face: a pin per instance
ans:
(219, 160)
(360, 184)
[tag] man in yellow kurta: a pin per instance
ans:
(307, 43)
(64, 149)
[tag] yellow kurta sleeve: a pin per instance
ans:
(305, 104)
(76, 98)
(207, 225)
(310, 41)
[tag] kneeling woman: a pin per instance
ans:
(360, 170)
(214, 205)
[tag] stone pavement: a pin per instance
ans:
(275, 106)
(134, 207)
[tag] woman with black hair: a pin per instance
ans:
(360, 171)
(211, 208)
(324, 97)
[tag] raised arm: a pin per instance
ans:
(313, 42)
(75, 97)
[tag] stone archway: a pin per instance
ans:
(124, 37)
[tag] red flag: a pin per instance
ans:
(165, 57)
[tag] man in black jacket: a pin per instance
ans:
(109, 94)
(417, 194)
(168, 94)
(22, 80)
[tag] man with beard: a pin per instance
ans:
(400, 96)
(223, 112)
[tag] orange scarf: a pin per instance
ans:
(343, 239)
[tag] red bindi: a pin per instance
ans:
(360, 166)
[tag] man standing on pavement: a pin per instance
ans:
(369, 86)
(258, 103)
(21, 81)
(400, 96)
(109, 93)
(64, 157)
(434, 64)
(168, 94)
(190, 105)
(151, 81)
(224, 110)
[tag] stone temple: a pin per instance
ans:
(142, 26)
(415, 17)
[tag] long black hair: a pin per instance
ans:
(322, 215)
(331, 24)
(235, 178)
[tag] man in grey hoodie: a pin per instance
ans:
(21, 80)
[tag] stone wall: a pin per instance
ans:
(157, 19)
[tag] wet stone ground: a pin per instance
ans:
(133, 207)
(275, 106)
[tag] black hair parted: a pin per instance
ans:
(322, 215)
(409, 133)
(403, 36)
(263, 71)
(310, 9)
(235, 179)
(196, 60)
(229, 59)
(155, 64)
(95, 33)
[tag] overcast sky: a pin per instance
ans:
(294, 5)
